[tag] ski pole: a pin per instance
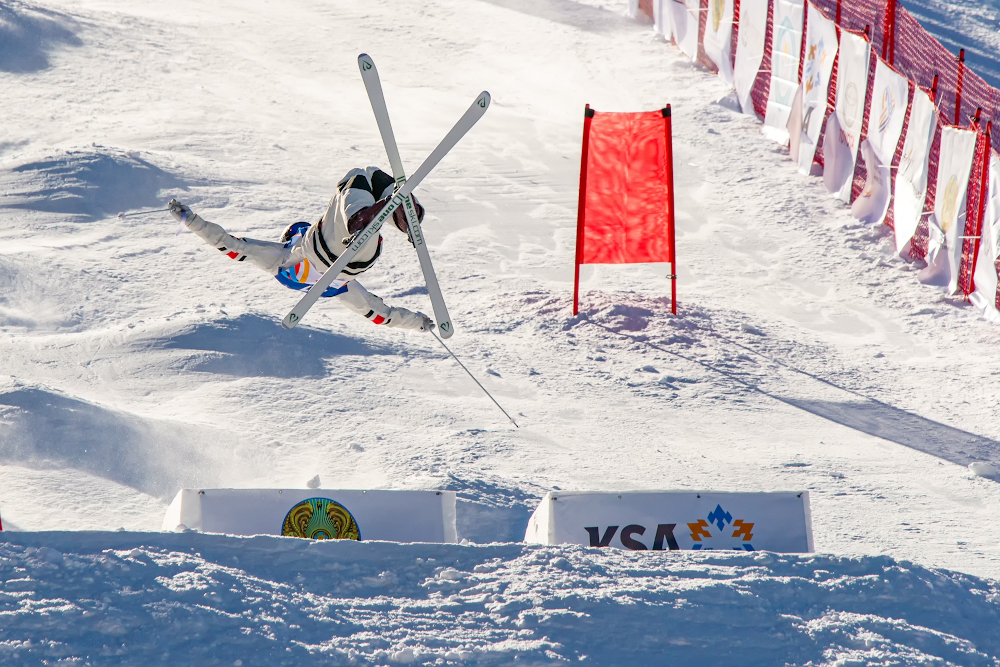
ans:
(122, 216)
(474, 378)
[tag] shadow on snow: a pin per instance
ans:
(42, 429)
(27, 36)
(254, 346)
(89, 184)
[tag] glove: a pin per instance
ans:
(399, 216)
(428, 323)
(184, 214)
(364, 217)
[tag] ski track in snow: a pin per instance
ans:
(134, 362)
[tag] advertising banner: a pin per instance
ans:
(872, 204)
(675, 520)
(911, 177)
(985, 296)
(749, 50)
(719, 37)
(840, 147)
(661, 18)
(684, 23)
(396, 516)
(890, 97)
(786, 47)
(947, 224)
(821, 51)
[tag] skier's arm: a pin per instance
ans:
(269, 256)
(372, 308)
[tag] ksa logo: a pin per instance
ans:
(664, 534)
(717, 532)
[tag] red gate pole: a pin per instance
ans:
(934, 87)
(958, 91)
(588, 113)
(837, 21)
(670, 210)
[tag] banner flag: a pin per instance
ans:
(661, 18)
(395, 516)
(786, 48)
(675, 520)
(872, 204)
(684, 24)
(749, 50)
(911, 178)
(840, 147)
(626, 208)
(718, 37)
(795, 133)
(947, 224)
(985, 296)
(890, 97)
(821, 51)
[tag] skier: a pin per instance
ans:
(306, 251)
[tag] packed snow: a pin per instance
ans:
(134, 362)
(119, 598)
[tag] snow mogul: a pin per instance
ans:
(305, 251)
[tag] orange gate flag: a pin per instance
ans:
(626, 209)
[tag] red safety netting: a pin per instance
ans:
(900, 41)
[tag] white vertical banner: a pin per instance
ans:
(840, 146)
(661, 18)
(985, 295)
(911, 178)
(890, 97)
(947, 224)
(872, 204)
(684, 24)
(633, 8)
(718, 37)
(821, 51)
(749, 49)
(786, 48)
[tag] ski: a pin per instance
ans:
(464, 124)
(369, 73)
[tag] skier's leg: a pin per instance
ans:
(372, 308)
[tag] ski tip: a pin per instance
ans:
(483, 101)
(365, 62)
(291, 319)
(446, 329)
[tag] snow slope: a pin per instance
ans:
(114, 598)
(134, 362)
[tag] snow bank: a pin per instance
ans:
(136, 598)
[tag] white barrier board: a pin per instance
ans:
(672, 520)
(396, 516)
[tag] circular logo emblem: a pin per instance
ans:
(850, 104)
(320, 519)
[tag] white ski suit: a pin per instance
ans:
(302, 257)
